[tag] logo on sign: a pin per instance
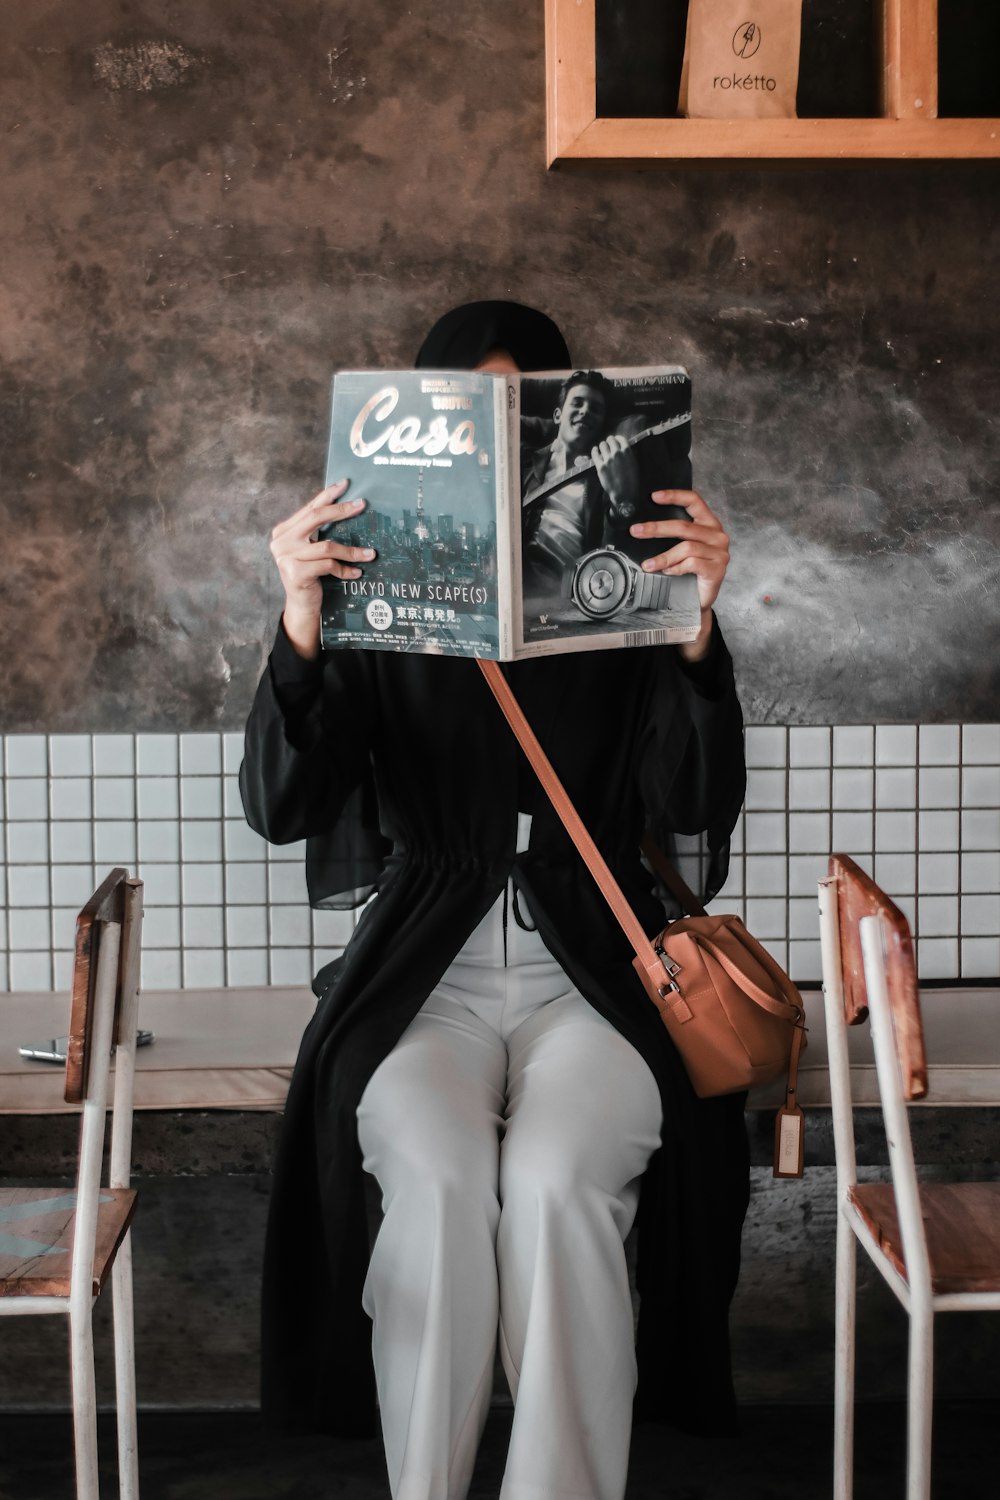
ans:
(746, 39)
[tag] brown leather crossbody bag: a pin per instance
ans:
(734, 1015)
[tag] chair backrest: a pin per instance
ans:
(102, 1013)
(868, 965)
(858, 896)
(106, 908)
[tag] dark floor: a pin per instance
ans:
(784, 1454)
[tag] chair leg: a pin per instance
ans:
(843, 1399)
(81, 1344)
(121, 1293)
(920, 1404)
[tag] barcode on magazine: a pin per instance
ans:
(645, 637)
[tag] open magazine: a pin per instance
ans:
(499, 508)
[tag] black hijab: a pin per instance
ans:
(464, 336)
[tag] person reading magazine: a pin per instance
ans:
(484, 1048)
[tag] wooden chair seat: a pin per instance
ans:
(962, 1225)
(36, 1238)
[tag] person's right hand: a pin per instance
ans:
(303, 562)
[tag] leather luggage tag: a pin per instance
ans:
(789, 1141)
(790, 1122)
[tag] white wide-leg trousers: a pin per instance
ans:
(508, 1130)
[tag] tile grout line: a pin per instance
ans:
(134, 740)
(6, 856)
(961, 851)
(916, 819)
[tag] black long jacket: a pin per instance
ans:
(638, 740)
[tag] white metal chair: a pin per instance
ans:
(57, 1248)
(936, 1244)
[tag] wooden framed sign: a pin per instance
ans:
(595, 48)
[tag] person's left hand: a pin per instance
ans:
(618, 471)
(702, 548)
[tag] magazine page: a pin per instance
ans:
(420, 447)
(593, 446)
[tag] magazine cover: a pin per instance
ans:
(499, 509)
(420, 448)
(593, 446)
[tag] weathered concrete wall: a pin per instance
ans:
(205, 208)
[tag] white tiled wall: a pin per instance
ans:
(222, 906)
(919, 807)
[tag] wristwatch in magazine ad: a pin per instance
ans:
(606, 582)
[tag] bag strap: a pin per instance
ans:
(577, 829)
(741, 978)
(671, 877)
(573, 823)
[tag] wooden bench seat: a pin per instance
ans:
(213, 1049)
(235, 1049)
